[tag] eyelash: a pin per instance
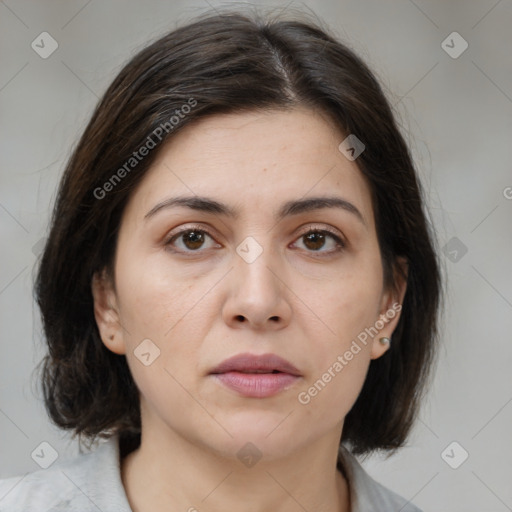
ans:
(340, 244)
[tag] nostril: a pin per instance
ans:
(240, 317)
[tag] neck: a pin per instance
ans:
(170, 473)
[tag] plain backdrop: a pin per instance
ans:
(455, 108)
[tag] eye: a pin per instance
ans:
(194, 238)
(316, 239)
(190, 239)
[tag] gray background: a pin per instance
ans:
(457, 116)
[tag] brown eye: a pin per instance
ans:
(316, 239)
(193, 239)
(189, 240)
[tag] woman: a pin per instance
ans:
(239, 290)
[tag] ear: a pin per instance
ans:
(106, 312)
(390, 308)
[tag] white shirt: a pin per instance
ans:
(91, 482)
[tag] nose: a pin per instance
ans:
(258, 296)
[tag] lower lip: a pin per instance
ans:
(257, 385)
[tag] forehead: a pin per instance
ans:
(267, 137)
(254, 158)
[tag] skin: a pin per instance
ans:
(300, 299)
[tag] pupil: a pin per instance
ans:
(193, 240)
(318, 237)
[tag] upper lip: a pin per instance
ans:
(250, 363)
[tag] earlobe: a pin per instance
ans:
(106, 313)
(381, 344)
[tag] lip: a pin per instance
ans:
(240, 373)
(248, 363)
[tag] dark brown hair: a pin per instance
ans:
(228, 62)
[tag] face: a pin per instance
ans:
(255, 268)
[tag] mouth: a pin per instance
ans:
(257, 384)
(256, 376)
(252, 363)
(258, 371)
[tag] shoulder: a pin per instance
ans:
(367, 494)
(87, 482)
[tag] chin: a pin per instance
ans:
(266, 430)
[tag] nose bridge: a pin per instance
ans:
(258, 295)
(255, 259)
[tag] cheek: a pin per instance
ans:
(334, 389)
(153, 298)
(341, 359)
(341, 349)
(348, 303)
(173, 310)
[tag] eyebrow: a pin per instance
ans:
(295, 207)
